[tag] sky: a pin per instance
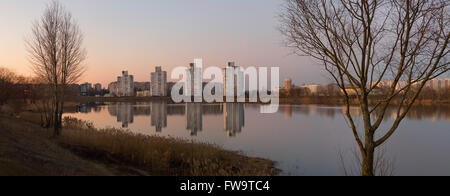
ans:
(137, 35)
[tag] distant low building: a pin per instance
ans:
(288, 84)
(350, 91)
(141, 86)
(438, 84)
(145, 93)
(314, 89)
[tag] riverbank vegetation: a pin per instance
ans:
(26, 147)
(157, 155)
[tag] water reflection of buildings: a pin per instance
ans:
(194, 118)
(159, 115)
(97, 109)
(125, 112)
(85, 109)
(233, 118)
(88, 108)
(159, 110)
(234, 113)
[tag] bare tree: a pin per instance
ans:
(362, 43)
(351, 162)
(56, 55)
(7, 79)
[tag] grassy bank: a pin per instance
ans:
(26, 150)
(85, 150)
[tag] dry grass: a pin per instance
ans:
(155, 155)
(26, 150)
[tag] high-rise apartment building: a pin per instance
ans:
(125, 85)
(98, 87)
(85, 89)
(233, 79)
(159, 83)
(195, 82)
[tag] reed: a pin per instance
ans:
(156, 155)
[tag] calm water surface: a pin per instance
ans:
(303, 140)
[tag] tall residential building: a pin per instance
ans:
(85, 89)
(98, 87)
(112, 87)
(125, 85)
(195, 74)
(231, 82)
(159, 83)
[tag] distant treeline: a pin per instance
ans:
(332, 92)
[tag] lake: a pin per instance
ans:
(307, 140)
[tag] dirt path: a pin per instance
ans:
(25, 149)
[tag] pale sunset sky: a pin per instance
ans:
(137, 35)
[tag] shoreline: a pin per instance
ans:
(85, 150)
(327, 101)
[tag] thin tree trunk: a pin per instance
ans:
(61, 112)
(56, 126)
(368, 159)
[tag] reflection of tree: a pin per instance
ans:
(194, 118)
(350, 161)
(234, 119)
(433, 113)
(159, 115)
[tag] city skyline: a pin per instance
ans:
(141, 35)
